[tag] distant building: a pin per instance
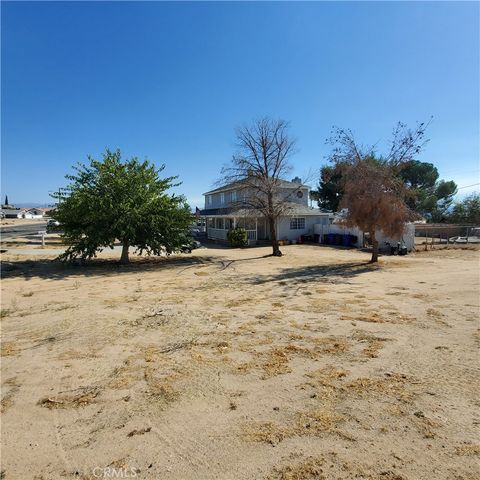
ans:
(22, 213)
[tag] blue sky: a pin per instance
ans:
(171, 81)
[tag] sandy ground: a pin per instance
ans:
(230, 364)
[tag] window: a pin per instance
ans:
(211, 222)
(234, 196)
(297, 223)
(222, 198)
(219, 223)
(247, 223)
(228, 223)
(209, 199)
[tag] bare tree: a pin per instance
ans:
(374, 196)
(259, 166)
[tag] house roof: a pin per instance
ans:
(292, 209)
(10, 211)
(240, 183)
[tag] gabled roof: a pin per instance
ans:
(240, 184)
(292, 209)
(10, 211)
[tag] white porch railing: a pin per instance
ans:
(217, 234)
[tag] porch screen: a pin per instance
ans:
(246, 223)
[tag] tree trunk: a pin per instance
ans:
(375, 247)
(124, 258)
(273, 237)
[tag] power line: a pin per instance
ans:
(466, 186)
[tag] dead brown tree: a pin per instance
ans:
(259, 166)
(374, 197)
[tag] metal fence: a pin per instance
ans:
(431, 235)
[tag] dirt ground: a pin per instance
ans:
(230, 364)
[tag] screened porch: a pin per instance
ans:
(218, 227)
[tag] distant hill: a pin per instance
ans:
(32, 205)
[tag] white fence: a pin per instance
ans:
(408, 237)
(221, 234)
(217, 234)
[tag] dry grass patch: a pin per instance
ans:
(273, 362)
(467, 450)
(314, 422)
(7, 399)
(327, 376)
(80, 398)
(374, 344)
(160, 387)
(310, 468)
(372, 349)
(5, 312)
(76, 355)
(9, 349)
(331, 345)
(125, 376)
(370, 317)
(424, 425)
(393, 385)
(325, 382)
(276, 362)
(265, 432)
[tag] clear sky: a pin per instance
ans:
(171, 81)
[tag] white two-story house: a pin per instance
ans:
(227, 207)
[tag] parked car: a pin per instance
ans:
(191, 245)
(53, 225)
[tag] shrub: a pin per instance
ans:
(237, 237)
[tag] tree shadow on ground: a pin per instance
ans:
(57, 270)
(54, 269)
(321, 273)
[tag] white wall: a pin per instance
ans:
(284, 232)
(287, 193)
(408, 237)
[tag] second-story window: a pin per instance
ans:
(209, 199)
(222, 198)
(234, 196)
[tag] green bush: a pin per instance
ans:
(237, 237)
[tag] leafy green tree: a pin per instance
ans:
(466, 210)
(330, 188)
(112, 200)
(425, 194)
